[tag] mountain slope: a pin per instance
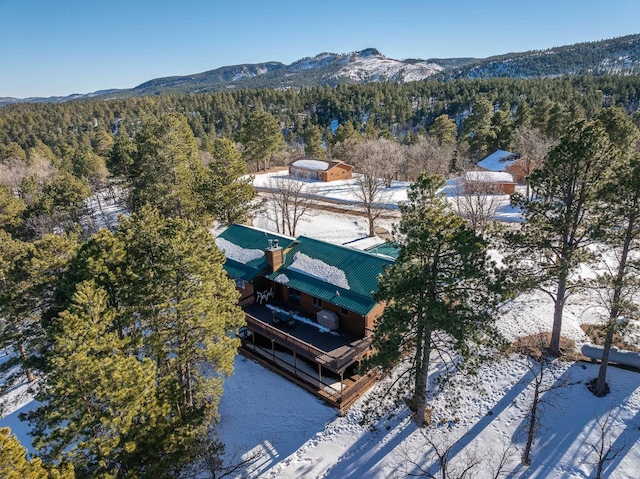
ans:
(205, 81)
(614, 56)
(330, 68)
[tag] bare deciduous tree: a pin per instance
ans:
(387, 156)
(545, 390)
(533, 146)
(13, 171)
(477, 200)
(428, 156)
(371, 194)
(604, 449)
(444, 460)
(376, 162)
(287, 200)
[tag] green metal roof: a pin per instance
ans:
(391, 250)
(248, 238)
(358, 268)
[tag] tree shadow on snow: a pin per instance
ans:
(568, 420)
(363, 459)
(477, 429)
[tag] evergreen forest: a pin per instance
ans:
(145, 304)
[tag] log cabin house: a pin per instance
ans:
(504, 161)
(488, 182)
(309, 308)
(321, 170)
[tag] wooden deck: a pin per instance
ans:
(350, 390)
(335, 352)
(320, 362)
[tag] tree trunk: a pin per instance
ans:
(601, 383)
(600, 467)
(422, 381)
(372, 227)
(526, 457)
(554, 345)
(417, 359)
(23, 354)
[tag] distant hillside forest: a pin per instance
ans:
(402, 111)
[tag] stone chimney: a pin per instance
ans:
(274, 255)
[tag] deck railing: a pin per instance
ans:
(310, 351)
(341, 399)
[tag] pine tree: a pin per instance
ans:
(177, 279)
(345, 132)
(444, 130)
(26, 295)
(262, 138)
(122, 155)
(502, 130)
(313, 141)
(523, 116)
(619, 220)
(98, 401)
(15, 465)
(553, 241)
(479, 129)
(167, 314)
(226, 192)
(167, 168)
(186, 310)
(442, 285)
(62, 202)
(11, 209)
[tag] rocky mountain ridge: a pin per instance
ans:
(614, 56)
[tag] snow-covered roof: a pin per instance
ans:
(315, 165)
(499, 160)
(488, 176)
(319, 269)
(244, 248)
(343, 276)
(238, 253)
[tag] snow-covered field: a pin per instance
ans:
(292, 434)
(297, 437)
(342, 192)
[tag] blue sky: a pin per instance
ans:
(59, 47)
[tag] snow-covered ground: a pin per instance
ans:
(343, 192)
(483, 424)
(486, 416)
(290, 433)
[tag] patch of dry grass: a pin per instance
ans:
(597, 333)
(536, 344)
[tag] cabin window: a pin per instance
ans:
(345, 312)
(294, 296)
(240, 283)
(317, 302)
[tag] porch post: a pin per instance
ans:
(341, 379)
(295, 367)
(320, 376)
